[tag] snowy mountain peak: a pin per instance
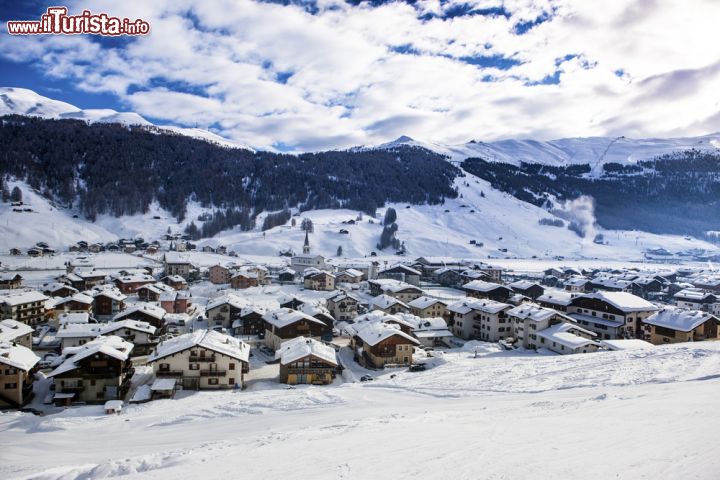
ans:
(21, 101)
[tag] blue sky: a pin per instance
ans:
(307, 75)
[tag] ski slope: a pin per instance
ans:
(499, 221)
(642, 414)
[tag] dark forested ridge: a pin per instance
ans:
(676, 193)
(110, 168)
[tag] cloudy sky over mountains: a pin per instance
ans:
(297, 75)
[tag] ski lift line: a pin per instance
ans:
(602, 155)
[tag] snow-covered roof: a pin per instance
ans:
(556, 297)
(351, 272)
(679, 319)
(562, 333)
(399, 266)
(136, 325)
(77, 297)
(301, 347)
(282, 317)
(55, 286)
(108, 291)
(79, 330)
(8, 276)
(17, 356)
(579, 317)
(314, 309)
(157, 287)
(627, 302)
(536, 313)
(626, 344)
(80, 317)
(137, 278)
(209, 339)
(163, 384)
(482, 286)
(373, 333)
(384, 302)
(12, 329)
(487, 306)
(576, 282)
(695, 295)
(523, 284)
(227, 299)
(111, 346)
(394, 286)
(147, 308)
(20, 298)
(424, 302)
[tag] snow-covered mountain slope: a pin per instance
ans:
(493, 219)
(567, 151)
(639, 414)
(21, 101)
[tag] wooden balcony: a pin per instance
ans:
(169, 373)
(212, 373)
(194, 359)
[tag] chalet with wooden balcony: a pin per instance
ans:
(128, 284)
(489, 290)
(10, 281)
(77, 303)
(428, 307)
(380, 345)
(176, 301)
(388, 304)
(402, 273)
(222, 311)
(527, 288)
(107, 302)
(152, 292)
(84, 279)
(95, 372)
(343, 306)
(18, 365)
(175, 281)
(146, 312)
(306, 361)
(285, 324)
(26, 307)
(674, 325)
(244, 279)
(59, 290)
(394, 288)
(348, 276)
(202, 360)
(611, 315)
(314, 279)
(139, 333)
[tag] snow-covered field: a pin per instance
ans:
(641, 414)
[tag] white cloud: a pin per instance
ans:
(272, 74)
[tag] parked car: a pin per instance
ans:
(417, 367)
(366, 378)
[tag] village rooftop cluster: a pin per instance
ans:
(109, 336)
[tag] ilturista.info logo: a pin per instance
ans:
(56, 21)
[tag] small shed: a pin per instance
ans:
(113, 406)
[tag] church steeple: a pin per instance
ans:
(306, 245)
